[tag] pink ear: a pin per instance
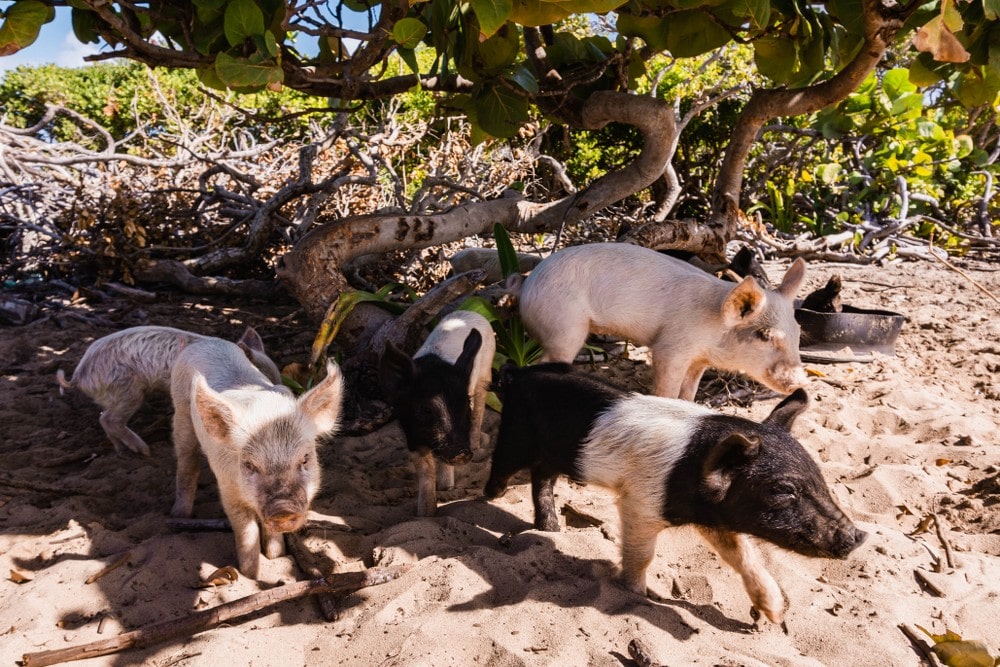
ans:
(321, 404)
(792, 281)
(744, 302)
(215, 414)
(251, 339)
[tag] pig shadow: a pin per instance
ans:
(570, 581)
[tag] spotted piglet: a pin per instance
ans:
(671, 463)
(439, 397)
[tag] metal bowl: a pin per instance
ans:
(855, 334)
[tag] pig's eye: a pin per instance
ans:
(784, 491)
(250, 469)
(305, 461)
(763, 334)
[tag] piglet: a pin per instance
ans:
(439, 397)
(121, 369)
(690, 320)
(671, 462)
(259, 439)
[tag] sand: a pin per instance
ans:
(898, 439)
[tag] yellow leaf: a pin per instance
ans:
(19, 577)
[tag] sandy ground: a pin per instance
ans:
(897, 439)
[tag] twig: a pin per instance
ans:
(114, 566)
(928, 584)
(921, 644)
(944, 543)
(346, 582)
(963, 274)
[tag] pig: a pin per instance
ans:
(672, 462)
(690, 320)
(826, 299)
(260, 442)
(439, 397)
(120, 370)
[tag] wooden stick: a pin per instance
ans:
(944, 543)
(928, 584)
(961, 273)
(639, 652)
(306, 561)
(345, 582)
(118, 563)
(921, 643)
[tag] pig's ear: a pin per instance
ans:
(395, 370)
(251, 339)
(723, 458)
(745, 301)
(784, 413)
(792, 281)
(470, 349)
(213, 411)
(321, 404)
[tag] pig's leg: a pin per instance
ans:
(692, 378)
(744, 557)
(562, 338)
(445, 476)
(274, 543)
(188, 466)
(545, 505)
(478, 411)
(426, 484)
(669, 374)
(639, 531)
(115, 418)
(247, 534)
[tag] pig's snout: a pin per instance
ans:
(786, 379)
(847, 540)
(284, 520)
(454, 456)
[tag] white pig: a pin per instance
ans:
(259, 439)
(121, 369)
(689, 319)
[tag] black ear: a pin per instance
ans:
(722, 460)
(784, 413)
(395, 371)
(470, 349)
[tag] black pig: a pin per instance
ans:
(671, 462)
(439, 397)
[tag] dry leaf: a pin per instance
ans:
(815, 372)
(936, 39)
(956, 652)
(19, 577)
(942, 462)
(924, 525)
(221, 577)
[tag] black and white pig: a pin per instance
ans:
(439, 397)
(689, 319)
(671, 462)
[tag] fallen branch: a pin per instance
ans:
(966, 276)
(944, 543)
(921, 644)
(110, 568)
(306, 560)
(346, 582)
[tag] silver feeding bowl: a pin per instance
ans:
(856, 334)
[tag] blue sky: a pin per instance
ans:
(56, 44)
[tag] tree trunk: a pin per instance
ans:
(312, 269)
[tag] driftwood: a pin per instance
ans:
(346, 582)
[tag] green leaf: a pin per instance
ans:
(84, 26)
(23, 23)
(589, 6)
(499, 111)
(828, 173)
(758, 11)
(651, 29)
(500, 50)
(992, 9)
(491, 14)
(921, 75)
(408, 32)
(208, 76)
(246, 73)
(537, 12)
(525, 78)
(505, 250)
(776, 58)
(243, 19)
(409, 56)
(692, 33)
(850, 13)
